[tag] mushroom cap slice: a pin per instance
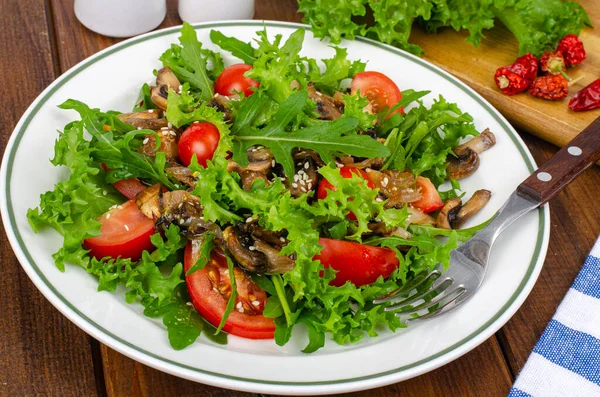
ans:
(471, 207)
(448, 213)
(463, 165)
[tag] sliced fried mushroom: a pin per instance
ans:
(165, 76)
(148, 201)
(327, 107)
(454, 214)
(448, 213)
(300, 155)
(147, 120)
(260, 163)
(251, 260)
(168, 144)
(375, 163)
(270, 237)
(305, 179)
(180, 207)
(183, 175)
(471, 207)
(277, 263)
(165, 79)
(398, 187)
(466, 161)
(220, 102)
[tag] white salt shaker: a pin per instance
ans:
(215, 10)
(121, 18)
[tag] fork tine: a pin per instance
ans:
(442, 300)
(415, 298)
(417, 282)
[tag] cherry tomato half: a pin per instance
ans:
(379, 89)
(232, 80)
(210, 289)
(125, 232)
(431, 200)
(200, 139)
(346, 172)
(358, 263)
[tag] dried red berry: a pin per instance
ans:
(572, 49)
(551, 87)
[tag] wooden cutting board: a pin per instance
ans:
(551, 121)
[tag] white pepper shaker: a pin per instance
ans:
(215, 10)
(121, 18)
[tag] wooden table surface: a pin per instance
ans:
(43, 353)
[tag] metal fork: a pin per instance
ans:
(438, 292)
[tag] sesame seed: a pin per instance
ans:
(120, 207)
(188, 303)
(241, 309)
(108, 216)
(282, 239)
(172, 133)
(169, 125)
(165, 133)
(367, 170)
(305, 177)
(180, 88)
(256, 303)
(385, 181)
(250, 219)
(151, 111)
(301, 172)
(239, 305)
(318, 93)
(180, 205)
(181, 221)
(294, 185)
(303, 189)
(113, 207)
(139, 128)
(306, 165)
(273, 163)
(299, 164)
(252, 248)
(296, 177)
(126, 227)
(104, 192)
(378, 199)
(339, 165)
(145, 141)
(309, 185)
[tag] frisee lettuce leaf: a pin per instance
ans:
(538, 25)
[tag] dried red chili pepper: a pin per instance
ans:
(554, 63)
(516, 78)
(551, 87)
(572, 49)
(586, 99)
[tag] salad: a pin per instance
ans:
(277, 191)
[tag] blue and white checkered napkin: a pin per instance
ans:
(566, 359)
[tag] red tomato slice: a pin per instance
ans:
(379, 89)
(232, 80)
(346, 172)
(125, 232)
(210, 289)
(200, 139)
(127, 187)
(360, 264)
(431, 200)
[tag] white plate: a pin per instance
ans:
(111, 80)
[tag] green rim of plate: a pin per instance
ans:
(86, 63)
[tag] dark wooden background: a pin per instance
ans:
(42, 353)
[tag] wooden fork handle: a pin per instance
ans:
(564, 166)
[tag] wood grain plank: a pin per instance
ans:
(575, 227)
(42, 352)
(481, 372)
(552, 121)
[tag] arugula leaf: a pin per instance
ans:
(144, 101)
(192, 64)
(115, 147)
(325, 137)
(206, 246)
(232, 298)
(236, 47)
